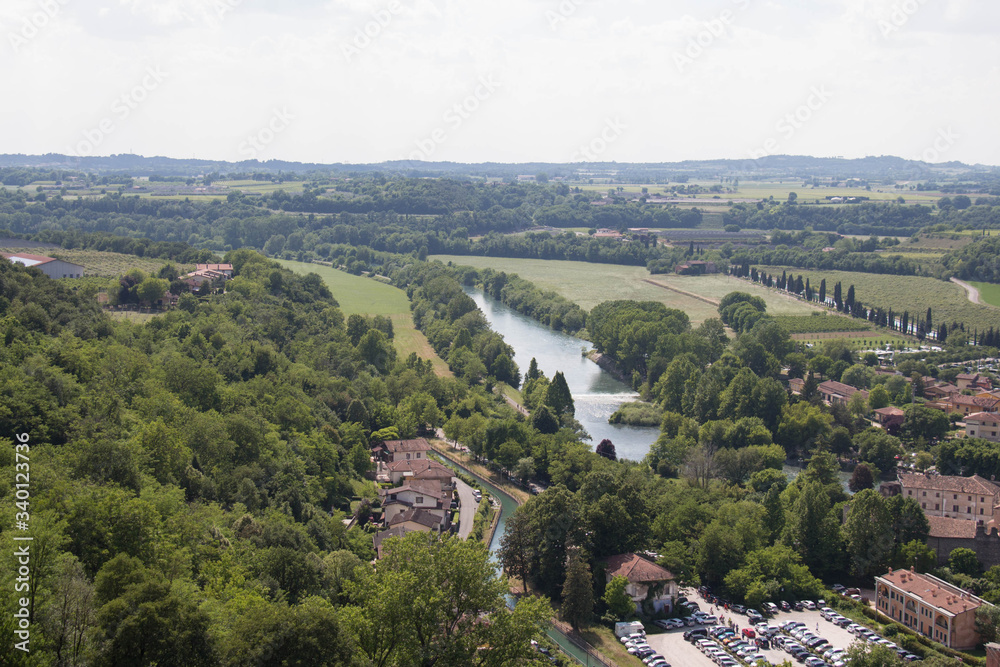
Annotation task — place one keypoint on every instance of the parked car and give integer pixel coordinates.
(754, 616)
(785, 606)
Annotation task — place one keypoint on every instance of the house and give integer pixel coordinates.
(50, 266)
(381, 537)
(940, 391)
(608, 234)
(889, 418)
(420, 520)
(403, 450)
(966, 498)
(224, 269)
(195, 279)
(696, 268)
(415, 494)
(969, 405)
(833, 392)
(648, 583)
(983, 425)
(931, 606)
(973, 381)
(796, 385)
(423, 469)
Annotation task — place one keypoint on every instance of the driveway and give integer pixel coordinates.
(467, 509)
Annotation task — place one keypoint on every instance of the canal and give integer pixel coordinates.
(596, 393)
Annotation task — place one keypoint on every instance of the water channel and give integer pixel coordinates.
(596, 393)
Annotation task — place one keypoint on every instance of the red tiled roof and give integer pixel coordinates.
(983, 417)
(948, 527)
(418, 516)
(933, 591)
(968, 485)
(637, 569)
(891, 412)
(426, 487)
(839, 388)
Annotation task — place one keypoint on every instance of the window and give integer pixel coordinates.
(980, 510)
(909, 493)
(419, 499)
(968, 510)
(937, 495)
(925, 494)
(923, 505)
(954, 508)
(936, 506)
(954, 497)
(970, 499)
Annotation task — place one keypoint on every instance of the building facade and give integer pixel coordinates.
(971, 498)
(930, 606)
(50, 266)
(983, 425)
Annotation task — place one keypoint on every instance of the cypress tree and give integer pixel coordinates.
(558, 396)
(578, 592)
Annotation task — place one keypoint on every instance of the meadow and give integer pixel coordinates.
(988, 293)
(590, 284)
(948, 301)
(365, 296)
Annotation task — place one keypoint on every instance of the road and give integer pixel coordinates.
(467, 509)
(973, 292)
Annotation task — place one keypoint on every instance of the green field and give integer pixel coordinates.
(988, 293)
(820, 323)
(365, 296)
(590, 284)
(948, 301)
(102, 264)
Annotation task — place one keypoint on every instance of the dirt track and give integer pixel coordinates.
(973, 292)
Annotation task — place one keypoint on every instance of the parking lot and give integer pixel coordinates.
(680, 653)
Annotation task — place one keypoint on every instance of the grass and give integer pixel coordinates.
(947, 300)
(988, 293)
(590, 284)
(820, 323)
(364, 296)
(102, 264)
(604, 640)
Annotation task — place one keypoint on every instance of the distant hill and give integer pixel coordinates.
(772, 166)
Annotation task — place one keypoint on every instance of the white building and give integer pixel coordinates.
(50, 266)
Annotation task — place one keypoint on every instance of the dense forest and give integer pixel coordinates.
(189, 478)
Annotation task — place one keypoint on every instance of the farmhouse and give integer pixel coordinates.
(837, 392)
(224, 269)
(647, 582)
(983, 425)
(968, 405)
(930, 606)
(50, 266)
(424, 469)
(415, 494)
(966, 498)
(890, 417)
(391, 451)
(974, 381)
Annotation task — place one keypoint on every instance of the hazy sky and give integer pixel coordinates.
(507, 81)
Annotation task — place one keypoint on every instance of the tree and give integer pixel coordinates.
(515, 546)
(813, 530)
(878, 448)
(988, 623)
(525, 468)
(878, 397)
(921, 422)
(868, 533)
(578, 592)
(803, 427)
(862, 478)
(544, 421)
(558, 396)
(619, 603)
(152, 290)
(861, 654)
(964, 561)
(915, 554)
(606, 449)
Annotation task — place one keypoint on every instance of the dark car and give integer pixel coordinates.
(697, 633)
(785, 606)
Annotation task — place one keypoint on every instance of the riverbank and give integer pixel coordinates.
(608, 365)
(465, 460)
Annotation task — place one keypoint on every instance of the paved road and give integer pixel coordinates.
(467, 509)
(973, 292)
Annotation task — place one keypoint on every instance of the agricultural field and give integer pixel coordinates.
(820, 323)
(858, 340)
(365, 296)
(590, 284)
(988, 293)
(102, 264)
(948, 301)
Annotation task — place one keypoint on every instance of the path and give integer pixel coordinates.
(973, 292)
(467, 509)
(711, 302)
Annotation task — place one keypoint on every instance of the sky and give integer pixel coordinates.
(363, 81)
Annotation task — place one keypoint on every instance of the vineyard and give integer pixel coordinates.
(102, 264)
(820, 323)
(947, 301)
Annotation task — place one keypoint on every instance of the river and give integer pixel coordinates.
(596, 393)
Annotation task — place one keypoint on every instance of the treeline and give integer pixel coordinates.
(175, 251)
(569, 246)
(546, 307)
(979, 261)
(192, 477)
(835, 260)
